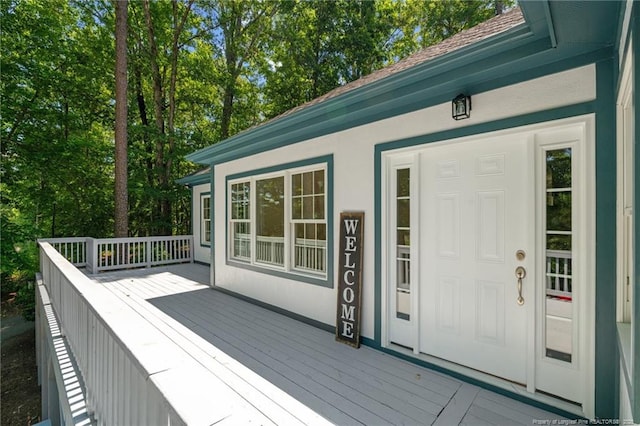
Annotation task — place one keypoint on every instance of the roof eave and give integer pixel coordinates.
(437, 66)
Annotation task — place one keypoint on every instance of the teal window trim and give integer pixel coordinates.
(327, 162)
(203, 241)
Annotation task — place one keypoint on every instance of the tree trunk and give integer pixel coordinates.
(121, 192)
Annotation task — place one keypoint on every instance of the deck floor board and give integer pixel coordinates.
(363, 390)
(292, 372)
(312, 351)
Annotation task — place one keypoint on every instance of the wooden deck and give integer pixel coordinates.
(290, 372)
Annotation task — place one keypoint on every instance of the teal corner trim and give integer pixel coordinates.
(606, 355)
(324, 282)
(204, 195)
(194, 179)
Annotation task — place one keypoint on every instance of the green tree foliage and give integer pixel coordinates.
(199, 71)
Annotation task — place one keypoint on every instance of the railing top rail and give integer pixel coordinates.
(143, 239)
(63, 240)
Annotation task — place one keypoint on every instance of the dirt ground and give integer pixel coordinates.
(19, 390)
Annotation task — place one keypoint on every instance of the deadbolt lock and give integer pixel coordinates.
(520, 255)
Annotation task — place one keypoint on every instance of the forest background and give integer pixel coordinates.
(198, 72)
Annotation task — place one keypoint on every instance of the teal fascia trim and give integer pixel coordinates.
(309, 279)
(606, 355)
(478, 129)
(194, 179)
(203, 243)
(635, 356)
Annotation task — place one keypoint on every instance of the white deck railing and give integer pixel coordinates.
(74, 249)
(123, 253)
(120, 369)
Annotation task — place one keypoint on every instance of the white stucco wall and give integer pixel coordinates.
(353, 152)
(201, 252)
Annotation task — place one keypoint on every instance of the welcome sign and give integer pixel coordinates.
(350, 278)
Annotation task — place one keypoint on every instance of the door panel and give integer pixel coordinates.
(474, 217)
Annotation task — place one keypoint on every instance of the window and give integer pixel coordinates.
(240, 224)
(270, 221)
(286, 227)
(559, 255)
(205, 219)
(403, 257)
(308, 221)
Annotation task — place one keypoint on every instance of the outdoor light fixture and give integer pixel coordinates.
(461, 107)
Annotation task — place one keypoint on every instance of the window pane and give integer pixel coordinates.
(318, 177)
(318, 207)
(241, 240)
(559, 168)
(207, 231)
(307, 207)
(296, 184)
(206, 208)
(403, 213)
(403, 237)
(240, 200)
(270, 221)
(559, 242)
(559, 211)
(403, 182)
(307, 183)
(296, 208)
(309, 251)
(310, 231)
(270, 207)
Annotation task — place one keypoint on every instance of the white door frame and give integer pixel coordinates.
(585, 175)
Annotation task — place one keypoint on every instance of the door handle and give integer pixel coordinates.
(520, 274)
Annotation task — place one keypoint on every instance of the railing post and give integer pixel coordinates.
(191, 255)
(91, 255)
(148, 252)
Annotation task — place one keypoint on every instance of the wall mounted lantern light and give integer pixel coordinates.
(461, 107)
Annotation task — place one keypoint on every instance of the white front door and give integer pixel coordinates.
(476, 210)
(488, 245)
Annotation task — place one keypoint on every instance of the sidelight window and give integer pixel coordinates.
(559, 236)
(403, 243)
